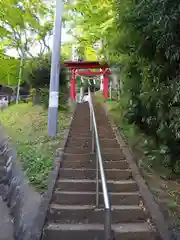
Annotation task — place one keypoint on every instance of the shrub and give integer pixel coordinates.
(149, 49)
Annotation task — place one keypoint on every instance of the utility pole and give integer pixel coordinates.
(55, 70)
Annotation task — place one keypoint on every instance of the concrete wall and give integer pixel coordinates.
(23, 201)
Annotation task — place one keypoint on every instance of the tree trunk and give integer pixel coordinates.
(37, 97)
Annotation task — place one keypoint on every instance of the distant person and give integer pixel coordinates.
(3, 103)
(86, 98)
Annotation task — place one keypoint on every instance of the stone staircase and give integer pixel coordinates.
(72, 213)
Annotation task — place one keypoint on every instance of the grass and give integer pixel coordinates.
(165, 191)
(27, 127)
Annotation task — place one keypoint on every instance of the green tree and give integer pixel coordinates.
(23, 24)
(37, 76)
(92, 21)
(66, 51)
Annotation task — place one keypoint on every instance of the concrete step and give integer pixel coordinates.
(82, 132)
(79, 121)
(109, 143)
(89, 214)
(109, 156)
(78, 157)
(88, 164)
(103, 135)
(78, 134)
(131, 231)
(85, 121)
(86, 115)
(78, 142)
(91, 164)
(85, 127)
(81, 127)
(74, 149)
(89, 198)
(82, 138)
(107, 133)
(112, 151)
(90, 185)
(106, 121)
(90, 137)
(111, 174)
(88, 156)
(104, 129)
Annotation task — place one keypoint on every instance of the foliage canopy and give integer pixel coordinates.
(23, 25)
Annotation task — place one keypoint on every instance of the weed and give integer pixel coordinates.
(27, 128)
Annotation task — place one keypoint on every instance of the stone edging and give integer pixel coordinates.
(39, 222)
(150, 204)
(5, 165)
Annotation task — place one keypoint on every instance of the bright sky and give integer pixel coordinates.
(65, 37)
(35, 49)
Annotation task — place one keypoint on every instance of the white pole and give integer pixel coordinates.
(110, 89)
(20, 76)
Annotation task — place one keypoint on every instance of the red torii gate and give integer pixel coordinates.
(75, 66)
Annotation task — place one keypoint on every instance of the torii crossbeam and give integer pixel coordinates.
(75, 68)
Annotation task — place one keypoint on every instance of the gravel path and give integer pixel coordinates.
(6, 225)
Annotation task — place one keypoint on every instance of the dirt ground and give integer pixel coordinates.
(167, 194)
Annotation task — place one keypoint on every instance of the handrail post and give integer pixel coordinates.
(90, 111)
(93, 142)
(107, 224)
(91, 124)
(97, 181)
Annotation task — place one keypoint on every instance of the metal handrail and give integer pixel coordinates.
(99, 166)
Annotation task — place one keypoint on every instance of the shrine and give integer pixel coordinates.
(86, 68)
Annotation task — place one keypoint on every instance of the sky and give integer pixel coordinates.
(65, 37)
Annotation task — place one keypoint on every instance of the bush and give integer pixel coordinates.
(149, 49)
(44, 98)
(38, 78)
